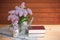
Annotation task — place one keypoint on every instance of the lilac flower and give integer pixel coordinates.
(13, 18)
(20, 12)
(16, 22)
(9, 17)
(12, 12)
(22, 5)
(29, 11)
(25, 13)
(15, 26)
(17, 10)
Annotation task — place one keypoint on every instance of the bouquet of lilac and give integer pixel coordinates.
(19, 17)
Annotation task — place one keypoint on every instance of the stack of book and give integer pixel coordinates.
(36, 31)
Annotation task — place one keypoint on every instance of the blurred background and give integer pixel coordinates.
(44, 11)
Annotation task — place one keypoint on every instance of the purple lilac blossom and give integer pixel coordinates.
(17, 10)
(29, 11)
(15, 26)
(20, 12)
(25, 13)
(22, 5)
(12, 12)
(13, 18)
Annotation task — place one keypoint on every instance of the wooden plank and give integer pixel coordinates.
(31, 4)
(46, 15)
(33, 9)
(32, 1)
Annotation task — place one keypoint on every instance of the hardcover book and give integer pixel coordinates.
(37, 31)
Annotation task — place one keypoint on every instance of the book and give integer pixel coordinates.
(36, 31)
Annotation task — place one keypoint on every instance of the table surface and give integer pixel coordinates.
(52, 33)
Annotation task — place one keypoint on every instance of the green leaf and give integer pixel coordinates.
(22, 19)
